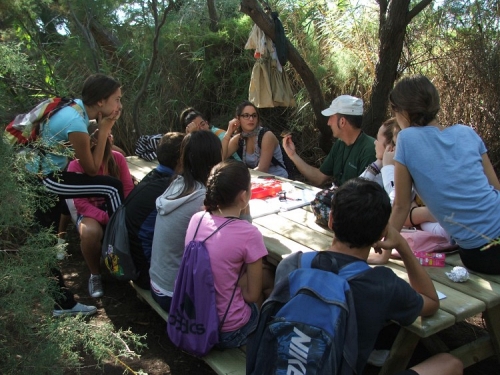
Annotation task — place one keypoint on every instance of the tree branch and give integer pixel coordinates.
(417, 9)
(262, 20)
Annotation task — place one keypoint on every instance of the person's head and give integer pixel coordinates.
(248, 116)
(200, 151)
(344, 109)
(191, 115)
(359, 213)
(110, 166)
(103, 92)
(385, 137)
(228, 185)
(169, 149)
(415, 101)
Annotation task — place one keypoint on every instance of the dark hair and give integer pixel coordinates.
(200, 151)
(361, 210)
(108, 160)
(246, 103)
(169, 149)
(188, 115)
(418, 97)
(355, 121)
(98, 87)
(389, 130)
(225, 182)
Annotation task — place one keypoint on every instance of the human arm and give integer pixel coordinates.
(489, 171)
(269, 144)
(125, 177)
(314, 175)
(251, 282)
(230, 143)
(91, 160)
(402, 200)
(418, 277)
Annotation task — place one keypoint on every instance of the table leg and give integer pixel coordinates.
(492, 319)
(401, 352)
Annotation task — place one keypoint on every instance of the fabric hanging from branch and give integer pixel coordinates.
(269, 84)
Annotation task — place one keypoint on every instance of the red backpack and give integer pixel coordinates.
(25, 127)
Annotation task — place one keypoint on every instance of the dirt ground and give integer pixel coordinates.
(123, 309)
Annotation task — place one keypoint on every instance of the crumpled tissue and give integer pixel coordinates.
(458, 274)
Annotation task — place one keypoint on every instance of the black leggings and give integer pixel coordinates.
(80, 185)
(486, 261)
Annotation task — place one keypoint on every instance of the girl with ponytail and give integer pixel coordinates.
(236, 252)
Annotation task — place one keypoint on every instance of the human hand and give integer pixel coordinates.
(191, 127)
(388, 158)
(288, 145)
(391, 239)
(105, 123)
(232, 126)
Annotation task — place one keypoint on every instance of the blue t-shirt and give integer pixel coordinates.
(448, 174)
(55, 134)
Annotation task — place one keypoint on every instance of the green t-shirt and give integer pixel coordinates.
(346, 162)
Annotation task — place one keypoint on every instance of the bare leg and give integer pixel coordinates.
(440, 364)
(90, 242)
(63, 225)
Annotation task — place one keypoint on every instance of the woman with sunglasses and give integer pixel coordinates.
(262, 155)
(451, 172)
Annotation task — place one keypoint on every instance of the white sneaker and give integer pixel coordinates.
(61, 249)
(77, 309)
(378, 357)
(95, 286)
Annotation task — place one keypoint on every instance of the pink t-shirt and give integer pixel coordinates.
(238, 243)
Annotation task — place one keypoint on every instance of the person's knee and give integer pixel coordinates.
(90, 231)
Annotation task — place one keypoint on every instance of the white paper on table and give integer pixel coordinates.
(296, 197)
(441, 295)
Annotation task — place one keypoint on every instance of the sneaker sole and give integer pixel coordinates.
(58, 314)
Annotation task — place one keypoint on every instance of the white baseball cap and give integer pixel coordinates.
(345, 105)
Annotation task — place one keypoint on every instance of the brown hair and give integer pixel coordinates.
(227, 179)
(418, 97)
(389, 130)
(169, 149)
(98, 87)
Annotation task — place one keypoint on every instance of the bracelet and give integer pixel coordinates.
(411, 211)
(373, 169)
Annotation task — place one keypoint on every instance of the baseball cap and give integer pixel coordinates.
(345, 105)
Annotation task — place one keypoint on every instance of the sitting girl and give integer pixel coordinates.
(236, 252)
(200, 151)
(264, 155)
(382, 172)
(92, 213)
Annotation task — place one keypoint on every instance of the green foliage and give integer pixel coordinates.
(31, 341)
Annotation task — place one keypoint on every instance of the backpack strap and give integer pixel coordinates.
(347, 272)
(231, 300)
(263, 131)
(215, 231)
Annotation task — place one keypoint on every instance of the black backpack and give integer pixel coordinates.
(289, 166)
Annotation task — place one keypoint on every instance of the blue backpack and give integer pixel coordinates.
(308, 324)
(193, 323)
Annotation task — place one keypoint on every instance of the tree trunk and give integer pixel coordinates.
(212, 13)
(393, 20)
(265, 23)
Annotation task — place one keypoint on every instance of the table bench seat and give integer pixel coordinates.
(223, 362)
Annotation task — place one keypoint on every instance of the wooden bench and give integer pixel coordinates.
(223, 362)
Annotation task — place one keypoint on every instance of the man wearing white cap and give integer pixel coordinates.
(351, 153)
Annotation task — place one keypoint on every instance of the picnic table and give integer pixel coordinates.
(289, 231)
